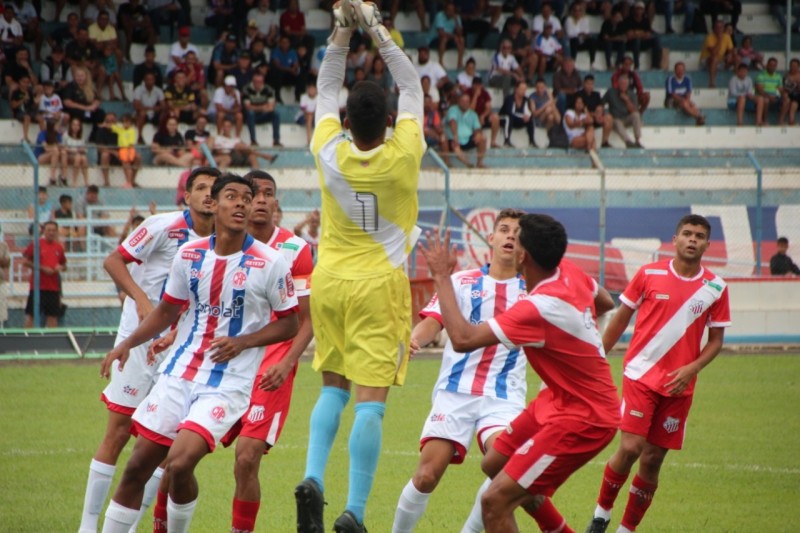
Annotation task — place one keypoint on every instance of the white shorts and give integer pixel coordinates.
(457, 417)
(128, 387)
(175, 404)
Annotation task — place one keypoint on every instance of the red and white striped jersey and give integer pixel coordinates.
(672, 313)
(556, 326)
(227, 296)
(494, 371)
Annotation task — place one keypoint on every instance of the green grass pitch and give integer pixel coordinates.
(738, 472)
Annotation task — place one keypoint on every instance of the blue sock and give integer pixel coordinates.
(365, 448)
(322, 431)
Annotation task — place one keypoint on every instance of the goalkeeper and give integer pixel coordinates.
(361, 308)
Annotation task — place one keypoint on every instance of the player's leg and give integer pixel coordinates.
(247, 496)
(436, 454)
(184, 455)
(503, 496)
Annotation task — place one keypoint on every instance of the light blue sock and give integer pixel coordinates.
(323, 427)
(365, 448)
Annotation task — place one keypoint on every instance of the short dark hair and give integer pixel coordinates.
(227, 179)
(261, 175)
(508, 212)
(137, 219)
(783, 240)
(63, 198)
(694, 220)
(588, 77)
(42, 188)
(544, 238)
(49, 222)
(367, 111)
(93, 188)
(201, 171)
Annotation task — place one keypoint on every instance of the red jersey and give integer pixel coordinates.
(672, 314)
(293, 22)
(556, 326)
(51, 254)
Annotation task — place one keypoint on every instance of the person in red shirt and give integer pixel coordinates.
(481, 103)
(626, 69)
(555, 325)
(52, 262)
(293, 25)
(676, 300)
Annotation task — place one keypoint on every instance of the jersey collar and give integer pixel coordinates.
(187, 216)
(248, 242)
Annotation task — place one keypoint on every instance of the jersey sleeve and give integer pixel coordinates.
(176, 291)
(302, 266)
(719, 315)
(432, 310)
(280, 289)
(633, 295)
(138, 245)
(522, 325)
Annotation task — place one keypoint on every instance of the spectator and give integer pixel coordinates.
(467, 76)
(543, 19)
(266, 22)
(43, 205)
(103, 35)
(67, 233)
(641, 36)
(82, 53)
(91, 200)
(308, 230)
(258, 59)
(768, 86)
(293, 25)
(168, 13)
(285, 69)
(447, 32)
(621, 102)
(107, 151)
(505, 73)
(243, 71)
(223, 59)
(679, 94)
(127, 134)
(791, 93)
(626, 70)
(463, 131)
(95, 7)
(516, 114)
(472, 20)
(718, 51)
(579, 126)
(31, 29)
(113, 74)
(576, 29)
(778, 10)
(65, 34)
(749, 56)
(169, 147)
(741, 95)
(134, 22)
(48, 152)
(518, 16)
(219, 15)
(481, 103)
(434, 71)
(670, 7)
(181, 100)
(417, 5)
(55, 69)
(359, 55)
(52, 261)
(543, 107)
(432, 125)
(195, 77)
(148, 102)
(566, 82)
(520, 44)
(18, 68)
(380, 76)
(179, 49)
(715, 8)
(251, 34)
(24, 105)
(781, 264)
(308, 106)
(148, 66)
(394, 33)
(80, 98)
(613, 38)
(594, 106)
(11, 33)
(230, 150)
(259, 108)
(548, 52)
(51, 108)
(75, 147)
(227, 104)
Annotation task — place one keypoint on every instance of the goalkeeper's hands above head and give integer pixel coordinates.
(344, 21)
(368, 17)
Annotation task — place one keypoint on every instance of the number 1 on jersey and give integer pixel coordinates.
(366, 211)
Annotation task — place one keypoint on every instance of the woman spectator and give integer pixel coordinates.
(466, 76)
(749, 55)
(80, 98)
(76, 152)
(791, 93)
(169, 147)
(576, 27)
(579, 126)
(48, 152)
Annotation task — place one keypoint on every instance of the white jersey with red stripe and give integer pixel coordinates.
(556, 324)
(494, 371)
(673, 313)
(151, 248)
(228, 296)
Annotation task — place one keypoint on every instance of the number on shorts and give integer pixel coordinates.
(367, 203)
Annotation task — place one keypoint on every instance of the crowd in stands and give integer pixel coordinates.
(262, 49)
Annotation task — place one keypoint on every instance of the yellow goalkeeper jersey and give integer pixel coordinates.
(369, 199)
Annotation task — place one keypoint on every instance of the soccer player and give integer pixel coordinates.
(151, 248)
(478, 392)
(674, 300)
(361, 309)
(231, 284)
(555, 325)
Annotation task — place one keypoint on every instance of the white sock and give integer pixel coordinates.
(119, 518)
(599, 512)
(179, 516)
(623, 529)
(97, 487)
(150, 490)
(410, 509)
(474, 523)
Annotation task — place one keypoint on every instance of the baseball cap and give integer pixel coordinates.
(639, 4)
(231, 38)
(252, 23)
(230, 81)
(185, 31)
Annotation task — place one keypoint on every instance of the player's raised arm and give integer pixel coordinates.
(332, 70)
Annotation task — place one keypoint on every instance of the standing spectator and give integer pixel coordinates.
(10, 31)
(768, 86)
(51, 108)
(181, 100)
(308, 230)
(505, 73)
(227, 104)
(642, 97)
(48, 152)
(259, 103)
(595, 108)
(781, 264)
(742, 96)
(180, 48)
(642, 37)
(169, 147)
(679, 94)
(223, 59)
(715, 8)
(579, 126)
(44, 206)
(148, 66)
(463, 131)
(266, 22)
(750, 56)
(81, 101)
(543, 107)
(434, 71)
(31, 28)
(293, 25)
(134, 22)
(66, 232)
(219, 15)
(622, 107)
(52, 262)
(613, 38)
(516, 113)
(447, 32)
(243, 71)
(148, 102)
(127, 134)
(75, 148)
(576, 29)
(107, 152)
(55, 69)
(791, 93)
(549, 51)
(481, 103)
(285, 69)
(718, 51)
(566, 82)
(432, 125)
(308, 106)
(778, 10)
(24, 105)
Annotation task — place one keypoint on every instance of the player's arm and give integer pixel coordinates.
(285, 327)
(603, 302)
(616, 326)
(117, 267)
(275, 375)
(424, 333)
(683, 376)
(332, 70)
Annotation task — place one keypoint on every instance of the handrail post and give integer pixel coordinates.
(207, 152)
(446, 170)
(601, 223)
(759, 209)
(37, 319)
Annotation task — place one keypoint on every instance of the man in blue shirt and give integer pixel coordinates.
(679, 94)
(285, 69)
(463, 130)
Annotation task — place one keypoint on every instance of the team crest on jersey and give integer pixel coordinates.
(152, 407)
(256, 414)
(696, 306)
(177, 234)
(138, 237)
(255, 263)
(671, 424)
(196, 274)
(191, 255)
(239, 279)
(218, 413)
(478, 294)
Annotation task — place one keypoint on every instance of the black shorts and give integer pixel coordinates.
(468, 146)
(49, 302)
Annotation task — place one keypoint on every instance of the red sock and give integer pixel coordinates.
(549, 519)
(639, 499)
(244, 515)
(609, 488)
(160, 513)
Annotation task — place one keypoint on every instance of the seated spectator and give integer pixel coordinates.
(91, 199)
(576, 29)
(67, 233)
(258, 100)
(543, 107)
(613, 37)
(718, 51)
(520, 44)
(481, 103)
(43, 205)
(593, 102)
(113, 74)
(715, 8)
(518, 16)
(195, 77)
(24, 105)
(223, 59)
(258, 59)
(781, 264)
(107, 150)
(791, 93)
(266, 22)
(394, 33)
(467, 76)
(183, 101)
(505, 73)
(75, 147)
(48, 152)
(769, 84)
(566, 82)
(179, 49)
(549, 52)
(447, 32)
(473, 21)
(82, 53)
(417, 5)
(148, 102)
(379, 75)
(308, 106)
(63, 35)
(671, 7)
(251, 34)
(197, 136)
(679, 94)
(434, 71)
(516, 114)
(635, 82)
(543, 19)
(579, 126)
(227, 104)
(17, 68)
(127, 134)
(135, 24)
(432, 125)
(55, 69)
(170, 13)
(169, 147)
(292, 24)
(641, 36)
(243, 71)
(359, 56)
(148, 66)
(31, 28)
(219, 15)
(229, 150)
(81, 101)
(95, 7)
(463, 131)
(285, 69)
(621, 102)
(749, 56)
(103, 35)
(11, 33)
(741, 95)
(51, 108)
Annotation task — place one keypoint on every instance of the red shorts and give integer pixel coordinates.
(661, 419)
(543, 456)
